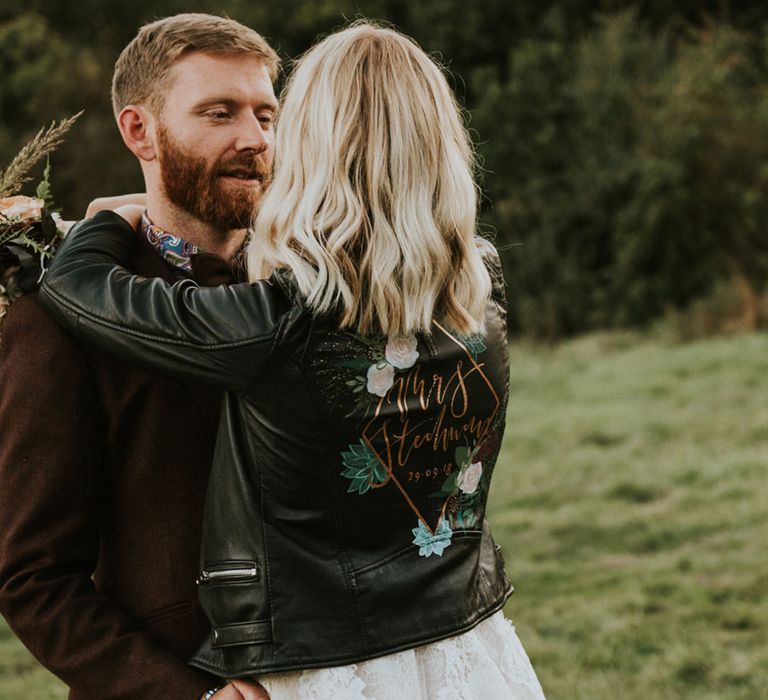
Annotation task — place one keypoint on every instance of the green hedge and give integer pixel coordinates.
(624, 155)
(627, 172)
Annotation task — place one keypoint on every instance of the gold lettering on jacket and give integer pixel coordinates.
(451, 422)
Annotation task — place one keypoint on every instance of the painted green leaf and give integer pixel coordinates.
(362, 467)
(357, 363)
(466, 519)
(463, 456)
(449, 485)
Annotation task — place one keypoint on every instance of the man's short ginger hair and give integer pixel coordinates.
(143, 68)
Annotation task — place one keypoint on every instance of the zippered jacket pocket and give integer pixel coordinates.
(234, 598)
(229, 572)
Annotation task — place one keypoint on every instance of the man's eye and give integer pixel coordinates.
(265, 119)
(219, 114)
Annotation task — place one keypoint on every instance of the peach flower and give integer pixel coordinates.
(22, 208)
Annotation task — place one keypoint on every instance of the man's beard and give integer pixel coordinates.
(198, 189)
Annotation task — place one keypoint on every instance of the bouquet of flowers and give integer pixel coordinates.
(30, 228)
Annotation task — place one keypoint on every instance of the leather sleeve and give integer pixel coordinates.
(493, 264)
(51, 492)
(219, 335)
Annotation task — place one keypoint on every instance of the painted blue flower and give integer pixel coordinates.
(429, 543)
(474, 345)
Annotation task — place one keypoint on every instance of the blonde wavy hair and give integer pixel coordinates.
(373, 202)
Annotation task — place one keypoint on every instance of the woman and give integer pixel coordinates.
(345, 550)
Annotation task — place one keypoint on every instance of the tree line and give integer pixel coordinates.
(623, 146)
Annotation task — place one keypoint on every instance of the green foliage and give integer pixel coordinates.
(47, 75)
(625, 152)
(363, 468)
(43, 190)
(633, 172)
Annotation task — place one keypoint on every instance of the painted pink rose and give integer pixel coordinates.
(469, 477)
(380, 379)
(402, 352)
(22, 208)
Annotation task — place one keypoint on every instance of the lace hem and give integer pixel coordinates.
(486, 663)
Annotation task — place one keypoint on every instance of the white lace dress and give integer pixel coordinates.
(486, 663)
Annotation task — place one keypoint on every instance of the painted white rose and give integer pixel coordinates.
(402, 352)
(380, 379)
(469, 477)
(22, 208)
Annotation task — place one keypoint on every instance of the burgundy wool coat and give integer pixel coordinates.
(103, 472)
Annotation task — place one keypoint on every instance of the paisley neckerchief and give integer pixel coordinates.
(173, 249)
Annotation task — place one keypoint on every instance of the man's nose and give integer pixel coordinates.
(251, 136)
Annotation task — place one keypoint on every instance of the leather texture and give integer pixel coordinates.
(345, 515)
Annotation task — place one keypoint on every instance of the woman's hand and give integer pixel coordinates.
(113, 203)
(241, 690)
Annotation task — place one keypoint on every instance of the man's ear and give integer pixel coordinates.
(136, 126)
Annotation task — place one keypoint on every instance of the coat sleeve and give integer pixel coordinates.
(51, 491)
(220, 335)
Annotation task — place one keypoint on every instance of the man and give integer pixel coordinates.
(103, 467)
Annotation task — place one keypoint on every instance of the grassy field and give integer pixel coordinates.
(633, 506)
(632, 503)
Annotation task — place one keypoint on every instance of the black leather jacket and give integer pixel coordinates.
(345, 512)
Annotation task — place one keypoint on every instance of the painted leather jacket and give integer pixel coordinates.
(345, 515)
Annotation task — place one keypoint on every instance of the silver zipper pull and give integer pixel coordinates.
(233, 574)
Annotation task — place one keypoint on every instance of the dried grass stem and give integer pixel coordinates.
(44, 143)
